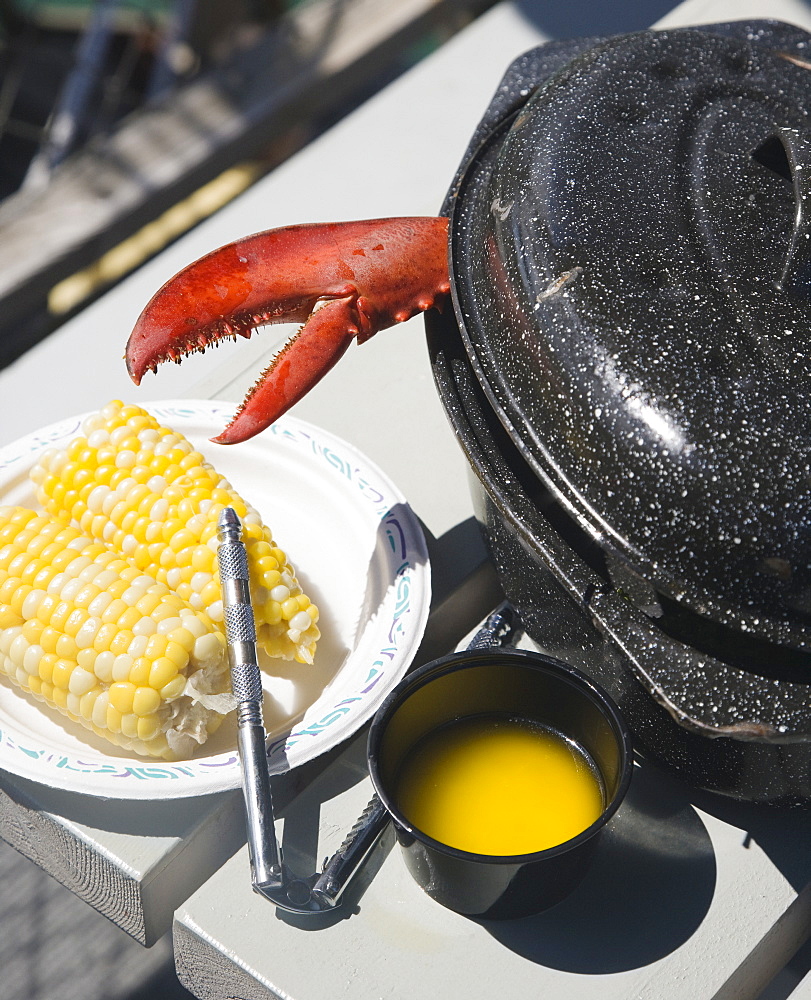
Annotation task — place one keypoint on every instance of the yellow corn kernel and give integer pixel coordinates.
(147, 604)
(87, 703)
(66, 647)
(176, 653)
(113, 721)
(114, 610)
(121, 641)
(174, 689)
(129, 618)
(74, 621)
(146, 701)
(140, 670)
(148, 727)
(86, 658)
(161, 672)
(60, 615)
(61, 673)
(155, 646)
(289, 608)
(121, 695)
(8, 618)
(49, 638)
(129, 725)
(182, 636)
(46, 667)
(104, 637)
(7, 593)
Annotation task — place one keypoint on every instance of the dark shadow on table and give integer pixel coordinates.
(649, 887)
(300, 838)
(778, 831)
(783, 835)
(164, 985)
(584, 17)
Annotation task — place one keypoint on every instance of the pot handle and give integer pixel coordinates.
(502, 628)
(796, 274)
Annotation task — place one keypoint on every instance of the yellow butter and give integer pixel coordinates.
(498, 785)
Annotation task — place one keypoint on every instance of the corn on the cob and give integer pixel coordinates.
(110, 647)
(143, 490)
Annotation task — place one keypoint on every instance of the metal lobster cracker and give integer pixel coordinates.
(322, 891)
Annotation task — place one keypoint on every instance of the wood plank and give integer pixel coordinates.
(154, 855)
(320, 58)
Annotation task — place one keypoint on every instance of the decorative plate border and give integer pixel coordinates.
(345, 704)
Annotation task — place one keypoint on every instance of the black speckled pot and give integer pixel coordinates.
(627, 370)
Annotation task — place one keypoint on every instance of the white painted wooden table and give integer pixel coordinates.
(689, 897)
(683, 900)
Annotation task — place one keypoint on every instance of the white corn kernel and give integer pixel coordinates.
(168, 625)
(207, 648)
(87, 633)
(99, 603)
(138, 646)
(18, 648)
(103, 666)
(31, 604)
(31, 659)
(96, 498)
(81, 681)
(300, 621)
(122, 667)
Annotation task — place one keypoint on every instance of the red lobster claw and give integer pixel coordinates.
(341, 280)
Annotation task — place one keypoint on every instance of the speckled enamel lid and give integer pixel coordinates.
(632, 261)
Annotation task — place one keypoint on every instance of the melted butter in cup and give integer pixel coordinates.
(498, 784)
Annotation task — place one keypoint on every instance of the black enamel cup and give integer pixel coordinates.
(519, 684)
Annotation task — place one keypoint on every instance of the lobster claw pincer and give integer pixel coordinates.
(341, 280)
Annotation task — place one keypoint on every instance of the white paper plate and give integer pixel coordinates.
(359, 554)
